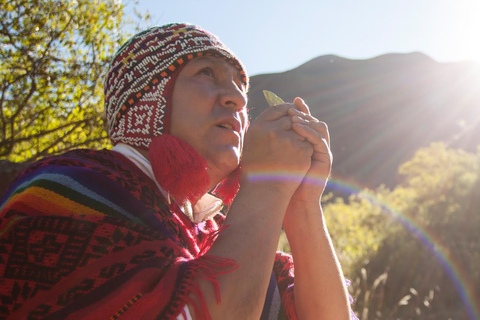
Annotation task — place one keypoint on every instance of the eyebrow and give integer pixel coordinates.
(224, 64)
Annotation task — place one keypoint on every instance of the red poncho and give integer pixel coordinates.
(88, 235)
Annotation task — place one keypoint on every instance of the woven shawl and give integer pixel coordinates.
(88, 235)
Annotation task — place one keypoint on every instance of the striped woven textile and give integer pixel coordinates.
(87, 235)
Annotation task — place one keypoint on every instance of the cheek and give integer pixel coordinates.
(185, 118)
(186, 129)
(175, 123)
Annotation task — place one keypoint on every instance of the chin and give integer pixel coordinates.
(228, 165)
(225, 162)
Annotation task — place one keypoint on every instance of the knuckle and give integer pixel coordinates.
(286, 123)
(306, 147)
(280, 108)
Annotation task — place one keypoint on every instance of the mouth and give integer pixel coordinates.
(226, 126)
(230, 124)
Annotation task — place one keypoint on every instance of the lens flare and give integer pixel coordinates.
(433, 242)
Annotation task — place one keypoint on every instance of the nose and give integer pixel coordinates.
(233, 96)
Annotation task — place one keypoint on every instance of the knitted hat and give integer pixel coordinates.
(139, 83)
(138, 89)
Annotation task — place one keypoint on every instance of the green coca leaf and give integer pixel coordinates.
(272, 98)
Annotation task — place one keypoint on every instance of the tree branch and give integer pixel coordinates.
(23, 104)
(45, 150)
(43, 133)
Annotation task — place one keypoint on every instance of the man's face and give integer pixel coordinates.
(209, 112)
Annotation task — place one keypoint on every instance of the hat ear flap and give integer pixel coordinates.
(178, 168)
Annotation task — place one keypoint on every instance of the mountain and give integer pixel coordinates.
(381, 110)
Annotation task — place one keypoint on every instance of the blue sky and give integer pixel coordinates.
(275, 36)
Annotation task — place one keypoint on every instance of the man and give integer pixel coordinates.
(134, 233)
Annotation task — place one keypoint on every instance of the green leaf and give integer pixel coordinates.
(272, 98)
(53, 57)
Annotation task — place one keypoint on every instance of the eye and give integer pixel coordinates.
(241, 86)
(206, 71)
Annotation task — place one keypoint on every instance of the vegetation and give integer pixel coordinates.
(52, 58)
(412, 250)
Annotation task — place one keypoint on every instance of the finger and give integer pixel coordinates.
(318, 126)
(319, 143)
(312, 136)
(325, 155)
(291, 134)
(275, 112)
(321, 149)
(284, 123)
(295, 112)
(301, 105)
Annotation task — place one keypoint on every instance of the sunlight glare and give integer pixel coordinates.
(466, 31)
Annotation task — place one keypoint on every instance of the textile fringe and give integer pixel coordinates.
(288, 302)
(210, 239)
(207, 267)
(179, 168)
(227, 189)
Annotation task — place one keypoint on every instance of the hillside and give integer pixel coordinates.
(381, 110)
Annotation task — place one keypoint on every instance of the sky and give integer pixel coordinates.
(275, 36)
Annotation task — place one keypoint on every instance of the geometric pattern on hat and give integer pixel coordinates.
(139, 82)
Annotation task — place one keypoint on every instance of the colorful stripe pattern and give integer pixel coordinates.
(87, 235)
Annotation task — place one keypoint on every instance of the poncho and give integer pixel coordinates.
(87, 235)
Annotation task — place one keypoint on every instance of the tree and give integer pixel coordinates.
(53, 55)
(408, 276)
(358, 226)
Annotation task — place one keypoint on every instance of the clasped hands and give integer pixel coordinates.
(289, 146)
